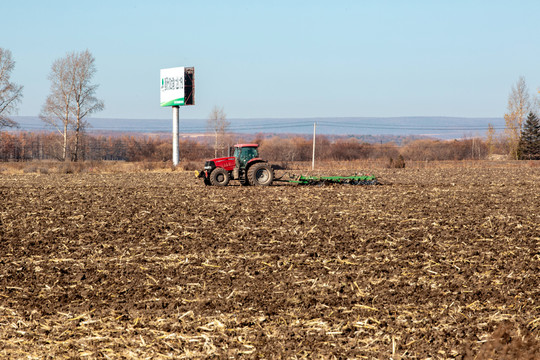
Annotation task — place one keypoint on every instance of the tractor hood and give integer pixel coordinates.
(218, 161)
(221, 159)
(227, 163)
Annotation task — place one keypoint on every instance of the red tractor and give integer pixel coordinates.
(245, 165)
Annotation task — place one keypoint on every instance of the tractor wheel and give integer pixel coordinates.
(260, 174)
(219, 177)
(207, 182)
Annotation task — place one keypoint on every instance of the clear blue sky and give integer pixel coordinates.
(284, 58)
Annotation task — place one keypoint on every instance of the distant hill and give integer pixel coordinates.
(361, 127)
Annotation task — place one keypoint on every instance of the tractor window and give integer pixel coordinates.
(250, 153)
(245, 154)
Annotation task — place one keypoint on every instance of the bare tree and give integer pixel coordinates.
(72, 98)
(490, 139)
(10, 93)
(217, 124)
(57, 108)
(84, 97)
(519, 105)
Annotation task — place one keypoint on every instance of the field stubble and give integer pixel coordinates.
(435, 263)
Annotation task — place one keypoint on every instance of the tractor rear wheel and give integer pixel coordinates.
(260, 174)
(219, 177)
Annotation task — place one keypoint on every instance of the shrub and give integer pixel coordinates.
(30, 169)
(396, 164)
(190, 166)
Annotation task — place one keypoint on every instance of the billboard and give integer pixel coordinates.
(177, 86)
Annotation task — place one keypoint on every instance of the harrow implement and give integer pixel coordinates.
(328, 180)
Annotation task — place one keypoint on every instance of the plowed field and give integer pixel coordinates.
(437, 264)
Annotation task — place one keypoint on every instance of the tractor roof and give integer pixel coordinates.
(246, 145)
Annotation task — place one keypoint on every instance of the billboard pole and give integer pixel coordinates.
(177, 89)
(175, 122)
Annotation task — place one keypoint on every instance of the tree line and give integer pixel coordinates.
(27, 146)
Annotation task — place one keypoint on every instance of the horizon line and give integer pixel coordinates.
(304, 118)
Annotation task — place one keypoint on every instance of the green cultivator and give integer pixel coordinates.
(329, 180)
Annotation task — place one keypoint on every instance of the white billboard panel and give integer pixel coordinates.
(172, 87)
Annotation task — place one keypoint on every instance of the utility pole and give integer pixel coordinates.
(313, 155)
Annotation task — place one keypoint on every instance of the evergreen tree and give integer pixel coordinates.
(529, 142)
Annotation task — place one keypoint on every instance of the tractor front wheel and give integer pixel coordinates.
(261, 174)
(219, 177)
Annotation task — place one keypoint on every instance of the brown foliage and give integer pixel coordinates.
(290, 149)
(24, 146)
(430, 150)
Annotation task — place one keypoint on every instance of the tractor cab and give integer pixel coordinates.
(244, 153)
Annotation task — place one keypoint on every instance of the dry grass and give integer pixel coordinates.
(383, 164)
(85, 167)
(114, 167)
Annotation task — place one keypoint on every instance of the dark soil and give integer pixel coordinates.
(440, 264)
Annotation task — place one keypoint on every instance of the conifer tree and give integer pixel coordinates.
(529, 143)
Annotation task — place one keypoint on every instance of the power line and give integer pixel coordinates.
(403, 127)
(274, 126)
